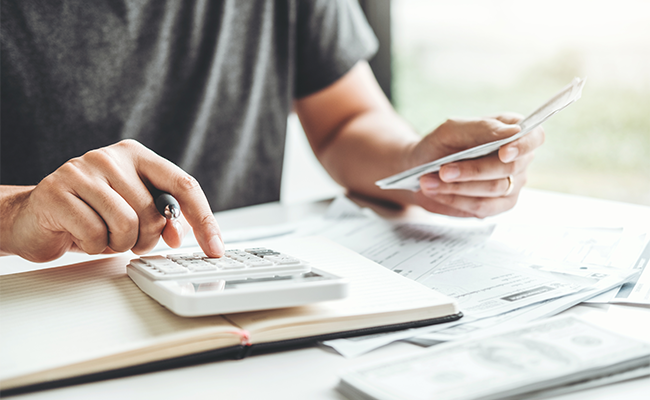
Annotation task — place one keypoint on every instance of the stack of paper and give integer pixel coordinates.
(501, 275)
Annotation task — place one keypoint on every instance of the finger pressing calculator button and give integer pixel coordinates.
(239, 263)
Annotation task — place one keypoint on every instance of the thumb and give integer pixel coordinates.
(175, 231)
(508, 117)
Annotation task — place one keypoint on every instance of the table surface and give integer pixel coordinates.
(312, 373)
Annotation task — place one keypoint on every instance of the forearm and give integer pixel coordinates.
(373, 145)
(357, 135)
(11, 198)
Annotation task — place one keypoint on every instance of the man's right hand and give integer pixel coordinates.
(101, 203)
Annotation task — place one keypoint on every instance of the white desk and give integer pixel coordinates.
(312, 373)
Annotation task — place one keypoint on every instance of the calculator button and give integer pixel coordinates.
(225, 263)
(234, 266)
(171, 269)
(202, 266)
(160, 263)
(180, 257)
(282, 260)
(168, 267)
(187, 263)
(256, 249)
(262, 253)
(258, 263)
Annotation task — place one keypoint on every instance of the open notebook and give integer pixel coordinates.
(89, 321)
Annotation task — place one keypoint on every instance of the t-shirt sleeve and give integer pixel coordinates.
(332, 36)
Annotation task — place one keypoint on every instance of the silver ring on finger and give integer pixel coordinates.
(511, 185)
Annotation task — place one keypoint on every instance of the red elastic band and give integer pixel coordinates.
(245, 337)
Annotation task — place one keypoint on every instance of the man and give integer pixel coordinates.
(207, 85)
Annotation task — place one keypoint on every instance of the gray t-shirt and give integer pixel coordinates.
(205, 84)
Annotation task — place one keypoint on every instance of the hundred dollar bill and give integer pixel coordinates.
(553, 356)
(410, 179)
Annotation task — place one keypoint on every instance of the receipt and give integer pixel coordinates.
(410, 179)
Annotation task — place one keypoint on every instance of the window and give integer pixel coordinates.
(474, 57)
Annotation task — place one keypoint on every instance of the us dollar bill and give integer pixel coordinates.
(548, 357)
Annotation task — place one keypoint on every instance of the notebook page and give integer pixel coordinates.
(376, 294)
(72, 314)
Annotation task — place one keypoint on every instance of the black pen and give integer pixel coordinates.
(167, 206)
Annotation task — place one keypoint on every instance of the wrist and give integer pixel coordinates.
(12, 199)
(409, 157)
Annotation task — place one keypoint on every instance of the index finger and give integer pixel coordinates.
(467, 133)
(168, 177)
(522, 146)
(509, 117)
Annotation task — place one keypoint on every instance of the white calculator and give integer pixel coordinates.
(193, 284)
